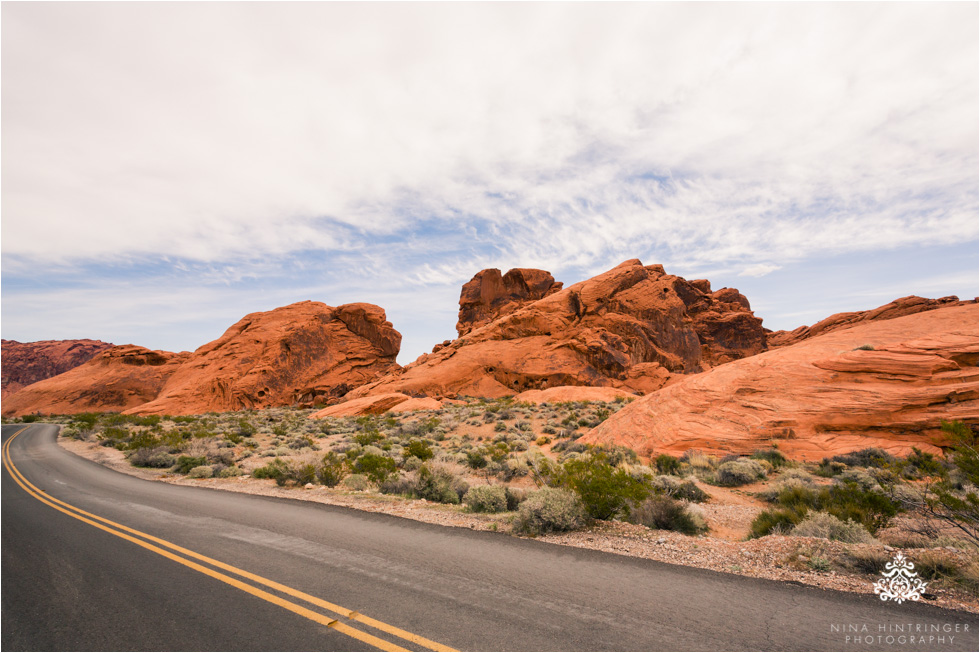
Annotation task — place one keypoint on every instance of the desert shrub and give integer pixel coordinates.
(605, 490)
(776, 521)
(356, 482)
(872, 457)
(300, 442)
(476, 460)
(230, 472)
(829, 468)
(849, 501)
(402, 484)
(301, 472)
(157, 457)
(824, 525)
(667, 464)
(515, 496)
(332, 469)
(697, 459)
(202, 471)
(420, 449)
(665, 513)
(739, 472)
(937, 565)
(868, 561)
(486, 498)
(549, 510)
(773, 456)
(689, 491)
(186, 463)
(276, 469)
(438, 483)
(411, 463)
(859, 476)
(376, 467)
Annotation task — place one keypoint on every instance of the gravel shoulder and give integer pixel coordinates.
(729, 512)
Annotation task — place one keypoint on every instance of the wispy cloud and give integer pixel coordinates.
(409, 145)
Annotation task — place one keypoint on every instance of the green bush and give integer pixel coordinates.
(439, 484)
(276, 469)
(420, 449)
(376, 467)
(773, 456)
(665, 513)
(778, 521)
(332, 469)
(739, 472)
(606, 491)
(549, 510)
(667, 464)
(845, 501)
(824, 525)
(872, 457)
(186, 463)
(486, 498)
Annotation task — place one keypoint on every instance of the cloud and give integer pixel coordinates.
(409, 145)
(759, 270)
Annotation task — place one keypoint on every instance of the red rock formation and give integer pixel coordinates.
(25, 363)
(825, 395)
(630, 328)
(488, 296)
(115, 380)
(903, 306)
(572, 393)
(297, 354)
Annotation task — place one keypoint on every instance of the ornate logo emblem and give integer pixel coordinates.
(900, 581)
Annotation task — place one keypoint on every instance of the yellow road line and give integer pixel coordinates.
(70, 510)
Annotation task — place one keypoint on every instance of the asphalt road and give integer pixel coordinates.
(208, 570)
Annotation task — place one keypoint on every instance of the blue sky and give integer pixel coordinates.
(167, 169)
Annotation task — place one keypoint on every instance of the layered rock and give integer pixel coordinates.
(115, 380)
(903, 306)
(488, 295)
(298, 354)
(564, 393)
(631, 328)
(25, 363)
(880, 383)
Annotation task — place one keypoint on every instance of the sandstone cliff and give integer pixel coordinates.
(24, 363)
(115, 380)
(885, 383)
(903, 306)
(297, 354)
(631, 328)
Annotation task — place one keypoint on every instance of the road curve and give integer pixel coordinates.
(96, 560)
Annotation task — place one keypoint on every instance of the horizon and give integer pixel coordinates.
(820, 158)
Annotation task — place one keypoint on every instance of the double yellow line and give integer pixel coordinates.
(187, 556)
